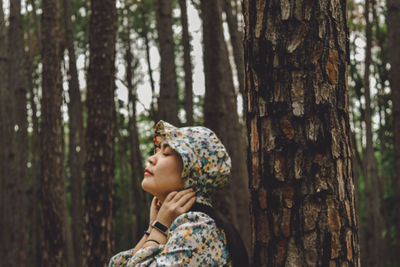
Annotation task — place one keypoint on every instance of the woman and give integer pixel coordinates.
(189, 163)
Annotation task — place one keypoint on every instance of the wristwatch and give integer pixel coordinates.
(160, 227)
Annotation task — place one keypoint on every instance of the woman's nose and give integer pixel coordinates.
(151, 160)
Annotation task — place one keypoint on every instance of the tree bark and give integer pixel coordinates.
(220, 115)
(237, 43)
(15, 197)
(168, 100)
(100, 132)
(76, 149)
(52, 183)
(187, 64)
(393, 22)
(300, 166)
(5, 127)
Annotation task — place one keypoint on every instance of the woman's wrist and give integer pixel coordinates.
(157, 236)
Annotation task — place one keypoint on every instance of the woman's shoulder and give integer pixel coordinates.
(195, 236)
(195, 218)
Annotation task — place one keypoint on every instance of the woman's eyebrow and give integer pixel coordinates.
(165, 146)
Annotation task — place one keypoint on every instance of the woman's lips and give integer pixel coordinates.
(147, 173)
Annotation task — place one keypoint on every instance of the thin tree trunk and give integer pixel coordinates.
(5, 133)
(35, 252)
(220, 115)
(393, 22)
(383, 73)
(100, 132)
(35, 174)
(375, 221)
(300, 165)
(15, 227)
(135, 157)
(237, 43)
(52, 183)
(168, 100)
(76, 149)
(145, 34)
(126, 227)
(187, 64)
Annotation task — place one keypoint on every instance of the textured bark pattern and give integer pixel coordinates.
(76, 150)
(187, 64)
(220, 115)
(100, 132)
(393, 8)
(52, 183)
(302, 191)
(168, 100)
(15, 228)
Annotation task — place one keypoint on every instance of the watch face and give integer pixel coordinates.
(160, 226)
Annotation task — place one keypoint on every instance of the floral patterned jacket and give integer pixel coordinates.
(193, 240)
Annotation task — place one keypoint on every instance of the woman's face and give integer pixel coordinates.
(163, 174)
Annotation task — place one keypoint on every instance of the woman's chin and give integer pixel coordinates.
(147, 187)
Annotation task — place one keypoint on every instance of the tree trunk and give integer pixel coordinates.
(5, 127)
(145, 34)
(393, 9)
(52, 183)
(168, 100)
(15, 197)
(76, 149)
(187, 64)
(34, 207)
(374, 193)
(237, 43)
(220, 115)
(100, 132)
(35, 174)
(136, 162)
(301, 177)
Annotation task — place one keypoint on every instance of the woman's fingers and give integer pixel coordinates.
(182, 193)
(185, 198)
(188, 204)
(171, 195)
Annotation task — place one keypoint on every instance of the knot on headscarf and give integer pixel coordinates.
(206, 163)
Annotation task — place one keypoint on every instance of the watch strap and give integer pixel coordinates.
(160, 227)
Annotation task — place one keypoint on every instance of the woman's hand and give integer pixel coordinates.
(175, 204)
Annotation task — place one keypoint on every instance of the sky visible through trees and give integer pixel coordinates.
(144, 86)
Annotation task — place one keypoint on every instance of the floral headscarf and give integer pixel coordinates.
(206, 163)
